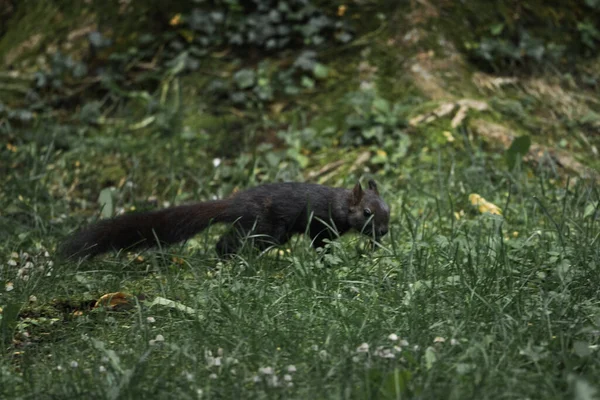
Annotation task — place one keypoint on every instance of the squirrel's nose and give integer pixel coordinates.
(383, 231)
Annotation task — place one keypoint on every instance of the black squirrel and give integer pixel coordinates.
(272, 213)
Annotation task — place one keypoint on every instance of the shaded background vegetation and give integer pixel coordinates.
(112, 106)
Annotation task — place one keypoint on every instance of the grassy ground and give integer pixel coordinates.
(457, 303)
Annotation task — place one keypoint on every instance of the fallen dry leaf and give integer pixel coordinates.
(483, 205)
(113, 300)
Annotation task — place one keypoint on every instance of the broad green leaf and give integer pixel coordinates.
(430, 357)
(106, 199)
(590, 209)
(518, 149)
(582, 349)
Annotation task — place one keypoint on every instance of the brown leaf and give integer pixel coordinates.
(114, 300)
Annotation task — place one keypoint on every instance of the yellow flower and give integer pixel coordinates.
(342, 10)
(448, 136)
(176, 20)
(483, 205)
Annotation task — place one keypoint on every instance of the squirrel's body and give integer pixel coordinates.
(272, 213)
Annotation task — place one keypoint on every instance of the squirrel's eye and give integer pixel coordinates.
(367, 212)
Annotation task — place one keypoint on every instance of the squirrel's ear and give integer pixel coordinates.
(357, 194)
(373, 186)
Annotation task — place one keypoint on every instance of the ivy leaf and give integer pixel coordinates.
(320, 71)
(381, 105)
(244, 78)
(308, 82)
(497, 29)
(97, 40)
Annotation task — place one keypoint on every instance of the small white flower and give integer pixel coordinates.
(213, 376)
(46, 254)
(74, 364)
(217, 362)
(291, 369)
(159, 338)
(32, 299)
(216, 162)
(314, 347)
(453, 342)
(393, 337)
(231, 360)
(199, 392)
(189, 376)
(287, 378)
(151, 320)
(104, 359)
(220, 352)
(266, 370)
(256, 379)
(273, 381)
(9, 287)
(403, 343)
(28, 265)
(101, 369)
(363, 348)
(59, 368)
(14, 254)
(387, 353)
(439, 339)
(398, 349)
(12, 262)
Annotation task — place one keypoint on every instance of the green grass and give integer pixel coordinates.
(483, 306)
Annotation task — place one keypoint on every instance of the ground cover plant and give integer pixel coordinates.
(485, 287)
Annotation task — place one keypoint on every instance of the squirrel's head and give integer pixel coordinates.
(368, 213)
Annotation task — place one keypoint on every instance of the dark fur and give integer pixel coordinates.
(272, 213)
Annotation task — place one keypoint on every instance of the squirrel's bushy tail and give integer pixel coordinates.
(145, 229)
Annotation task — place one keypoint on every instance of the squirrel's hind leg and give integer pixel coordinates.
(260, 236)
